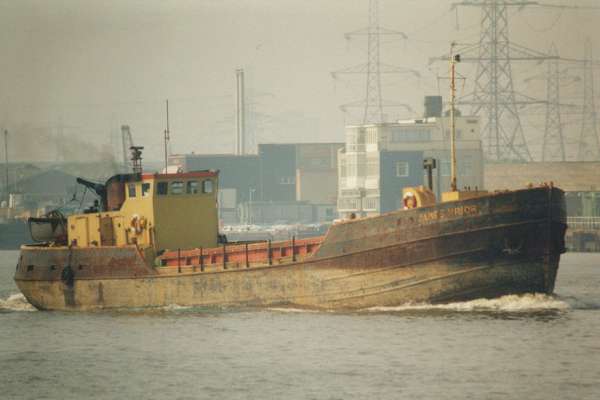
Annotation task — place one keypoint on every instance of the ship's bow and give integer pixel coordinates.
(555, 243)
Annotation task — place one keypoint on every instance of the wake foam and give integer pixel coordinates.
(15, 302)
(509, 303)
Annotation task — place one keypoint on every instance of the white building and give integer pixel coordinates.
(378, 160)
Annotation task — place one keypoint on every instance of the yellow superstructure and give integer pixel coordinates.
(157, 211)
(462, 195)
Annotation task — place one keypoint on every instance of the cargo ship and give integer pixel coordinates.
(153, 241)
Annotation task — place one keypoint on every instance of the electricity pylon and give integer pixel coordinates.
(494, 97)
(554, 144)
(373, 103)
(589, 147)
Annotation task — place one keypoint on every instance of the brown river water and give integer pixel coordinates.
(515, 347)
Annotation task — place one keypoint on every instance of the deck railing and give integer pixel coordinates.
(239, 255)
(584, 223)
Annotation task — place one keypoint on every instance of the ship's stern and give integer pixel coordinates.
(64, 278)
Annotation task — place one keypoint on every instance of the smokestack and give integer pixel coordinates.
(241, 118)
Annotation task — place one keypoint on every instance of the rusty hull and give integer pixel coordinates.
(499, 244)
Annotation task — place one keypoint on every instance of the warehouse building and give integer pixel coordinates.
(288, 182)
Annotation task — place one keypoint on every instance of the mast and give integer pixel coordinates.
(167, 138)
(453, 60)
(6, 165)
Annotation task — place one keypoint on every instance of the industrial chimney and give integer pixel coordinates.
(241, 118)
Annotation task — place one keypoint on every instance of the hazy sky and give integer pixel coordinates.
(92, 66)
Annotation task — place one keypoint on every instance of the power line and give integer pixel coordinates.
(373, 103)
(554, 145)
(494, 97)
(589, 148)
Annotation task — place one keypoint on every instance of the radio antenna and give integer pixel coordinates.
(454, 58)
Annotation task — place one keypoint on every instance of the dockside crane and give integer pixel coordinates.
(127, 142)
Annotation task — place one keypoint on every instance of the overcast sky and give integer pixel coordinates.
(92, 66)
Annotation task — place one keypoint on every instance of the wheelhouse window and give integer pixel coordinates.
(193, 187)
(207, 186)
(145, 189)
(176, 187)
(131, 190)
(162, 188)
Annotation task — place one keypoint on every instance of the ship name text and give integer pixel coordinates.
(448, 213)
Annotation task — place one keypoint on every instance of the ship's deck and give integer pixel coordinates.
(239, 254)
